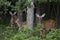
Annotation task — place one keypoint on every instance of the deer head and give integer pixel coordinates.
(40, 17)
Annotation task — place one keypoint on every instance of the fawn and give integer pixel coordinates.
(15, 20)
(46, 24)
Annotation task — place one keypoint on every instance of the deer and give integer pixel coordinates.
(46, 25)
(15, 21)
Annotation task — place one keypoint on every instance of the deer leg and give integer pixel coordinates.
(19, 25)
(12, 24)
(43, 31)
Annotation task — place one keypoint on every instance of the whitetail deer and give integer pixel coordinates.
(15, 21)
(46, 24)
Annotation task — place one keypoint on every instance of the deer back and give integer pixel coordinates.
(20, 24)
(48, 24)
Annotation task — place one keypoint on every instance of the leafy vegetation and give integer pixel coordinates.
(12, 33)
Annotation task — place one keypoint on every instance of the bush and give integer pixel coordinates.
(10, 33)
(53, 35)
(7, 32)
(23, 34)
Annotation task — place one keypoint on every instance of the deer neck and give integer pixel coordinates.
(40, 20)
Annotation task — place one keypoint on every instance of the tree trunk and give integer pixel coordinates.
(20, 15)
(57, 16)
(37, 12)
(30, 16)
(19, 18)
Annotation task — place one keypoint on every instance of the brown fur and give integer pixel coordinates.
(15, 21)
(48, 24)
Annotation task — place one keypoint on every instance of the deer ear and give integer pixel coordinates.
(14, 13)
(43, 15)
(10, 13)
(37, 15)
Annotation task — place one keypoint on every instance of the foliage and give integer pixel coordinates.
(53, 35)
(22, 4)
(7, 32)
(41, 1)
(5, 2)
(12, 33)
